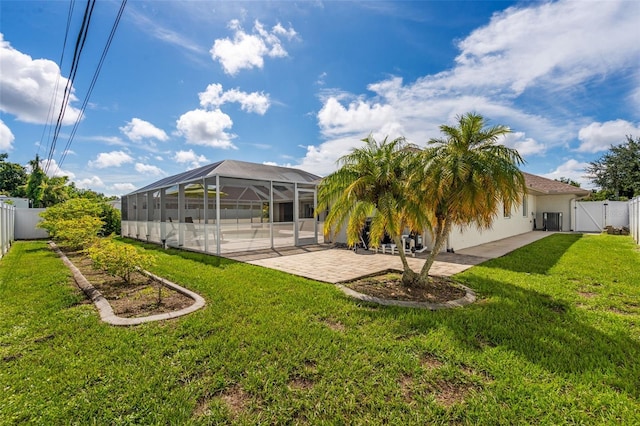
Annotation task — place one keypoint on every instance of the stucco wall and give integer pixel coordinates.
(519, 222)
(556, 204)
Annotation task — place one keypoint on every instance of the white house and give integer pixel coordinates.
(547, 206)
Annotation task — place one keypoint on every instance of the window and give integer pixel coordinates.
(525, 207)
(505, 212)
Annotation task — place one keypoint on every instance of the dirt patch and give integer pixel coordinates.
(236, 400)
(430, 361)
(587, 294)
(300, 383)
(406, 386)
(448, 393)
(136, 299)
(389, 286)
(334, 325)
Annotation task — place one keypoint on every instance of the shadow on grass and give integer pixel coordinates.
(545, 331)
(538, 257)
(206, 259)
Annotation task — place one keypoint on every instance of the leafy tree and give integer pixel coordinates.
(36, 183)
(13, 177)
(56, 190)
(372, 182)
(617, 172)
(467, 179)
(568, 181)
(111, 218)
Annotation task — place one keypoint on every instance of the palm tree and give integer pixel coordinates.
(372, 182)
(466, 179)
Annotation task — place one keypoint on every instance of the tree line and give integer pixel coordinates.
(41, 190)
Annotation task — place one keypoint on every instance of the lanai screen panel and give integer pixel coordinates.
(244, 214)
(258, 207)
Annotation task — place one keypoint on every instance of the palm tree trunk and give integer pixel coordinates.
(409, 277)
(442, 232)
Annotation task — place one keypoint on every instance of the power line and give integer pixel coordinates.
(93, 82)
(80, 41)
(54, 94)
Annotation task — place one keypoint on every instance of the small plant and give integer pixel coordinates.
(119, 260)
(77, 222)
(78, 233)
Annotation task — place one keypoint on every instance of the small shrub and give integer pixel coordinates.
(55, 216)
(78, 233)
(119, 260)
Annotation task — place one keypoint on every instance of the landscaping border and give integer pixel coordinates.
(468, 298)
(104, 307)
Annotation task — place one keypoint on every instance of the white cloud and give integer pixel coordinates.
(27, 86)
(6, 137)
(53, 170)
(207, 128)
(560, 44)
(191, 158)
(524, 145)
(246, 51)
(215, 96)
(598, 137)
(90, 183)
(137, 130)
(109, 140)
(149, 169)
(123, 187)
(550, 48)
(359, 117)
(572, 169)
(157, 30)
(111, 159)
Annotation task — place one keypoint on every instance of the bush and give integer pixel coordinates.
(111, 218)
(119, 260)
(56, 217)
(78, 233)
(71, 210)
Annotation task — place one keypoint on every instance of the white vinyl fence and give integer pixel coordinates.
(26, 221)
(634, 218)
(7, 220)
(594, 216)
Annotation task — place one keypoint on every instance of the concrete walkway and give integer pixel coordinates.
(334, 265)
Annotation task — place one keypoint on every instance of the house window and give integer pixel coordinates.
(505, 212)
(525, 207)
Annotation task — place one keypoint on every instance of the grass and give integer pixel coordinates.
(554, 339)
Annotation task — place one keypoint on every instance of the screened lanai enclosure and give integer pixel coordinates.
(226, 207)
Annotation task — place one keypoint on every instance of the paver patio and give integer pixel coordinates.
(335, 265)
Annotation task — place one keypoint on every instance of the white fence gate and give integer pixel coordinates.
(594, 216)
(634, 218)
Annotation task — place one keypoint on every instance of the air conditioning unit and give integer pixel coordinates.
(552, 221)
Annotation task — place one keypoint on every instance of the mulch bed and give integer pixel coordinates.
(137, 299)
(388, 285)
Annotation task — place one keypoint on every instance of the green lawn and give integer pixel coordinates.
(553, 339)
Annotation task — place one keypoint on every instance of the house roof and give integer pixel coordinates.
(237, 169)
(543, 186)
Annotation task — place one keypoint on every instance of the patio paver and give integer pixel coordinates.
(335, 265)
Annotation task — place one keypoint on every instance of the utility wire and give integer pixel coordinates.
(54, 95)
(80, 41)
(93, 83)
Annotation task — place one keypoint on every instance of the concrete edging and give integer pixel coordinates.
(468, 298)
(104, 307)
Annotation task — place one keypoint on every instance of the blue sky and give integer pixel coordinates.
(187, 83)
